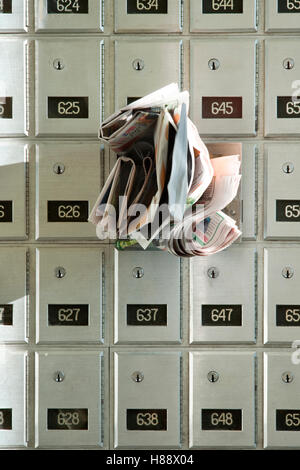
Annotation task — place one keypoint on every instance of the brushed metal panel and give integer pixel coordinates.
(236, 77)
(234, 285)
(160, 389)
(233, 390)
(82, 284)
(160, 285)
(82, 370)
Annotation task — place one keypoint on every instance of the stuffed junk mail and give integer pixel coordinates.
(165, 188)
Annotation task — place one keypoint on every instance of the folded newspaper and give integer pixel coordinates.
(165, 188)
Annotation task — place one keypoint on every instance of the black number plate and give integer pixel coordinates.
(68, 107)
(67, 6)
(218, 107)
(68, 315)
(147, 6)
(287, 420)
(222, 6)
(68, 211)
(6, 6)
(287, 315)
(222, 315)
(6, 211)
(222, 420)
(288, 107)
(5, 418)
(6, 315)
(288, 210)
(6, 107)
(288, 6)
(132, 99)
(147, 315)
(147, 420)
(68, 419)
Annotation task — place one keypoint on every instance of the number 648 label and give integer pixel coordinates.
(221, 420)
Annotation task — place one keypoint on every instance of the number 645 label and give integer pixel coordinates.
(227, 107)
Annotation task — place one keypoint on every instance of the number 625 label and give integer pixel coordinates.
(68, 107)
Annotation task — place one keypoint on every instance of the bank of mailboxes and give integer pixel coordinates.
(149, 15)
(66, 415)
(69, 299)
(69, 83)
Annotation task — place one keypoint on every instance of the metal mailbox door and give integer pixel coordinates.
(69, 180)
(66, 415)
(13, 295)
(217, 15)
(282, 296)
(147, 298)
(222, 399)
(223, 86)
(69, 297)
(75, 15)
(68, 86)
(223, 298)
(282, 108)
(147, 65)
(147, 399)
(148, 16)
(282, 15)
(13, 16)
(13, 198)
(13, 63)
(282, 193)
(281, 399)
(13, 406)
